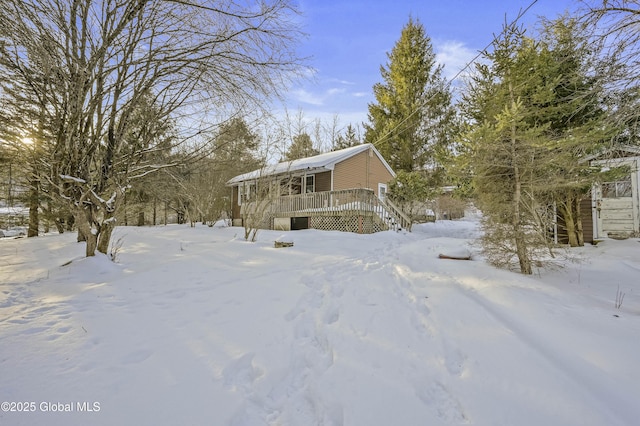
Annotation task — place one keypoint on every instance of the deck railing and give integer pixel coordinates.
(401, 217)
(343, 202)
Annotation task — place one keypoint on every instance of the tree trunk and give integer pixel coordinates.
(34, 220)
(48, 216)
(9, 196)
(126, 219)
(59, 225)
(165, 213)
(92, 243)
(519, 233)
(105, 236)
(84, 230)
(570, 210)
(579, 229)
(566, 209)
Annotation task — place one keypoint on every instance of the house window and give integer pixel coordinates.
(296, 186)
(246, 192)
(382, 191)
(310, 184)
(280, 187)
(618, 189)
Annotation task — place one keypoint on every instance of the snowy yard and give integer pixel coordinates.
(194, 326)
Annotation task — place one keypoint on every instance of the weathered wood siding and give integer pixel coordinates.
(617, 214)
(587, 223)
(364, 170)
(586, 213)
(620, 213)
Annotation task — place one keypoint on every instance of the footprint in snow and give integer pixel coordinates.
(332, 315)
(137, 357)
(455, 362)
(439, 398)
(241, 372)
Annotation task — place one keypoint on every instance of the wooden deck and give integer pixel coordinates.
(353, 210)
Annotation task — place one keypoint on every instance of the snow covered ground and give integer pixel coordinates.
(195, 326)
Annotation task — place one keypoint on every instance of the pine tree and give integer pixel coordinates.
(411, 121)
(348, 139)
(301, 147)
(535, 115)
(575, 118)
(504, 148)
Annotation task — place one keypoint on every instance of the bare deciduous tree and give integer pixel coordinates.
(614, 25)
(90, 66)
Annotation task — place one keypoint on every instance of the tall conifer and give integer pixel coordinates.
(411, 120)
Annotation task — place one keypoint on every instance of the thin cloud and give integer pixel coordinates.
(304, 96)
(454, 55)
(345, 82)
(317, 99)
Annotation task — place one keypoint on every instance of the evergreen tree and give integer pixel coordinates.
(236, 146)
(535, 114)
(412, 120)
(504, 148)
(575, 118)
(348, 139)
(301, 147)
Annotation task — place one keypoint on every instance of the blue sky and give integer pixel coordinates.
(348, 41)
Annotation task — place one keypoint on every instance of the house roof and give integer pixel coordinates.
(317, 163)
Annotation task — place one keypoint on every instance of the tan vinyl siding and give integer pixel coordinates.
(323, 181)
(364, 170)
(378, 173)
(351, 173)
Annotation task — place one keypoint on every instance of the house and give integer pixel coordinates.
(615, 206)
(341, 190)
(612, 209)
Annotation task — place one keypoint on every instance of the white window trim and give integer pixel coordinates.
(381, 186)
(313, 184)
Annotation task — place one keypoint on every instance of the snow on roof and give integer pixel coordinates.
(320, 162)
